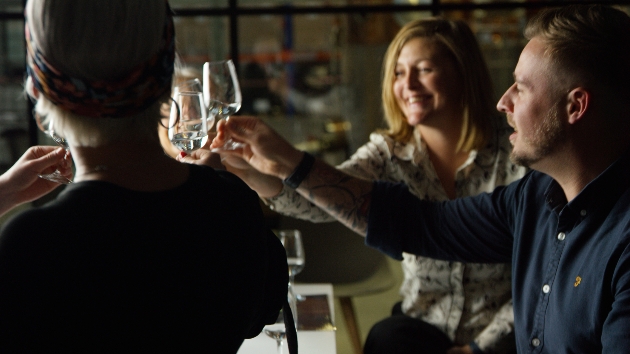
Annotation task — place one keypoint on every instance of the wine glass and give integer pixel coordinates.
(222, 94)
(292, 242)
(56, 175)
(187, 126)
(277, 331)
(194, 85)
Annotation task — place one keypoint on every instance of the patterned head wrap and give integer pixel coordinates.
(145, 84)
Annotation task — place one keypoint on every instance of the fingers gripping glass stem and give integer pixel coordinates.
(55, 176)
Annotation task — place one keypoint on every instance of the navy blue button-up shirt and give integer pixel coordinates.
(570, 261)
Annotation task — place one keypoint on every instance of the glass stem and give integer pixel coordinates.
(293, 301)
(291, 281)
(279, 345)
(297, 297)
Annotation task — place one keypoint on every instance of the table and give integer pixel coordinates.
(309, 341)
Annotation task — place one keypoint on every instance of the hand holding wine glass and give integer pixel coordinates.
(187, 126)
(56, 176)
(21, 184)
(222, 94)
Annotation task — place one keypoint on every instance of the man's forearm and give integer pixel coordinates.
(344, 197)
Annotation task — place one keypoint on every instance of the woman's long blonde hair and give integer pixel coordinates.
(477, 98)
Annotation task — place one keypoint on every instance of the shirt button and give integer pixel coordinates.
(561, 236)
(546, 288)
(535, 342)
(583, 212)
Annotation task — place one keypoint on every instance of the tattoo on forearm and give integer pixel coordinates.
(344, 197)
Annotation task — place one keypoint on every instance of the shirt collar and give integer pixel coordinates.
(600, 192)
(416, 150)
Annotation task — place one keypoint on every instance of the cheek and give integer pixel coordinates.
(398, 93)
(397, 88)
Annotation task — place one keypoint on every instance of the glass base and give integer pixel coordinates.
(229, 145)
(56, 177)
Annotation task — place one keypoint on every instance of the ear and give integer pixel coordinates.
(578, 102)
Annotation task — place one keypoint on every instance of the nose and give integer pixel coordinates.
(412, 78)
(505, 103)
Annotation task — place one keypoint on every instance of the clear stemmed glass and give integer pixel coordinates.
(277, 331)
(222, 93)
(187, 126)
(194, 85)
(55, 176)
(292, 242)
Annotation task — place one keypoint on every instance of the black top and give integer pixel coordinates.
(104, 268)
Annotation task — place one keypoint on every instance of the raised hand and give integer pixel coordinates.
(21, 183)
(265, 185)
(266, 150)
(344, 197)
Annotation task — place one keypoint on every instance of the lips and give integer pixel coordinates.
(510, 121)
(512, 136)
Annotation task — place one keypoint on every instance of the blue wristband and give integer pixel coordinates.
(300, 172)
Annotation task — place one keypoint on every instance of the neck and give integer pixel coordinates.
(446, 160)
(582, 159)
(136, 165)
(441, 142)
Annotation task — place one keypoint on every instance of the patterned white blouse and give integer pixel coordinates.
(466, 301)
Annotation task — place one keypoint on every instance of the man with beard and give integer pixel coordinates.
(565, 226)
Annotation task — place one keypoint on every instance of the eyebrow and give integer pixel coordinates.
(521, 82)
(418, 61)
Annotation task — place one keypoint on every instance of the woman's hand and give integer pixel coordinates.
(266, 186)
(266, 150)
(21, 183)
(344, 197)
(201, 156)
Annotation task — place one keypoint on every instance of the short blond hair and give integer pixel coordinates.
(587, 45)
(478, 102)
(97, 40)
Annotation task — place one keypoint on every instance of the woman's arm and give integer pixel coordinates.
(344, 197)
